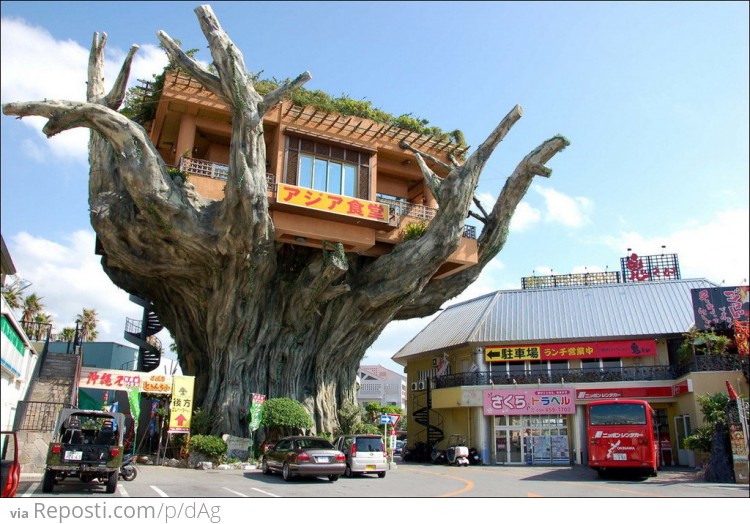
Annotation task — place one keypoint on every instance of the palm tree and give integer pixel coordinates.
(41, 321)
(32, 305)
(13, 294)
(67, 334)
(88, 322)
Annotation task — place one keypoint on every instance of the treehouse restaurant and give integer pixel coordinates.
(331, 178)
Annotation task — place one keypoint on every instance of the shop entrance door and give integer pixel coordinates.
(508, 444)
(682, 429)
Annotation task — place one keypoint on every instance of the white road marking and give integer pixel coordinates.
(265, 493)
(122, 490)
(160, 492)
(30, 490)
(236, 492)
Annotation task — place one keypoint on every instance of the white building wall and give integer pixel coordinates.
(18, 361)
(380, 384)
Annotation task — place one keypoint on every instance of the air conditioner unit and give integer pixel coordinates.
(414, 386)
(421, 385)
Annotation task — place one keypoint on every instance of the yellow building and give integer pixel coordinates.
(559, 348)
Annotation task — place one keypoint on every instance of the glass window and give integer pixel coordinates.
(617, 414)
(611, 363)
(350, 181)
(325, 175)
(590, 363)
(305, 171)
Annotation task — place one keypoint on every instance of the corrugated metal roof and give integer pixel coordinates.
(600, 312)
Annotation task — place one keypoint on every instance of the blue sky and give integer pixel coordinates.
(652, 96)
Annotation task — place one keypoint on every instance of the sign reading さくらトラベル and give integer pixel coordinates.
(532, 401)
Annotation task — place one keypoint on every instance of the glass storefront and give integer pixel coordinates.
(532, 440)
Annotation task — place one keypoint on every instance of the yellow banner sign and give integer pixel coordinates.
(181, 409)
(516, 353)
(339, 204)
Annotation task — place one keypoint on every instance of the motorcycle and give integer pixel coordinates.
(437, 456)
(128, 471)
(474, 458)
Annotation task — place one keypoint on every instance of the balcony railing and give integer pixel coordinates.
(196, 166)
(399, 208)
(624, 374)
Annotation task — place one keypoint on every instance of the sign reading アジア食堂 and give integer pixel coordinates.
(531, 401)
(332, 203)
(571, 350)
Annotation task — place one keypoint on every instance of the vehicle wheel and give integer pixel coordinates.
(381, 474)
(264, 467)
(129, 472)
(48, 483)
(112, 481)
(333, 478)
(348, 472)
(286, 473)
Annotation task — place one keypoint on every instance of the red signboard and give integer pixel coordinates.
(637, 392)
(571, 351)
(535, 401)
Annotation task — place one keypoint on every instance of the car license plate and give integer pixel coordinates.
(322, 458)
(370, 467)
(73, 455)
(621, 456)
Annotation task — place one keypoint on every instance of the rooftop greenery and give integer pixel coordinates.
(140, 105)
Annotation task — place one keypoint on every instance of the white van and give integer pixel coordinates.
(364, 454)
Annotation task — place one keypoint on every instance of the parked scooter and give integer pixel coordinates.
(128, 471)
(474, 458)
(457, 454)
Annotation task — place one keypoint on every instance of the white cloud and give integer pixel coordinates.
(69, 278)
(524, 216)
(718, 250)
(59, 72)
(567, 210)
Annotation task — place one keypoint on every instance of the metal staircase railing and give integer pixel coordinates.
(141, 333)
(425, 416)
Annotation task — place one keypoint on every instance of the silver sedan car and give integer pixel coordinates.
(304, 456)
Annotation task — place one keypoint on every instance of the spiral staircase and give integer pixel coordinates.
(424, 415)
(141, 333)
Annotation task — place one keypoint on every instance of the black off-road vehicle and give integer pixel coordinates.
(88, 445)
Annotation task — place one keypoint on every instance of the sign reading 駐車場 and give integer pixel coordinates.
(571, 350)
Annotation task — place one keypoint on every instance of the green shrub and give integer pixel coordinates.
(210, 445)
(413, 230)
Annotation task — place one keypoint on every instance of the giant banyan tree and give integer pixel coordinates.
(245, 316)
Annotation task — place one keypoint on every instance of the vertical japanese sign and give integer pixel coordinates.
(720, 307)
(256, 411)
(181, 409)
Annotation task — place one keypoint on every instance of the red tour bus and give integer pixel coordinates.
(622, 436)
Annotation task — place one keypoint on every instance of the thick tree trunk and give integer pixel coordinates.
(248, 315)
